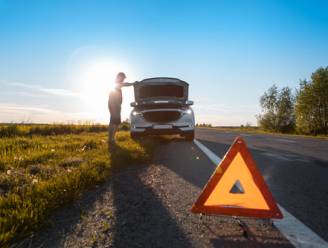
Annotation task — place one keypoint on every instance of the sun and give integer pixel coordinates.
(96, 79)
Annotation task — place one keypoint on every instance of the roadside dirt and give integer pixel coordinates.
(148, 207)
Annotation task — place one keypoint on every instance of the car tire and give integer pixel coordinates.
(190, 136)
(135, 135)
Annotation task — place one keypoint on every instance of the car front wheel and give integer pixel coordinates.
(135, 135)
(190, 136)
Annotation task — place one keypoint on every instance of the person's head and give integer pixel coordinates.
(120, 77)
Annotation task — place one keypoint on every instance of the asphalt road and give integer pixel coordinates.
(149, 206)
(295, 169)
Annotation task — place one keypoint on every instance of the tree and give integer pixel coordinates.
(277, 110)
(312, 104)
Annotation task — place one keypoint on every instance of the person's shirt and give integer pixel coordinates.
(115, 96)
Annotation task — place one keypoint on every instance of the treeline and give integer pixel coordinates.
(304, 111)
(203, 125)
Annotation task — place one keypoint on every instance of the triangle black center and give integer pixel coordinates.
(237, 188)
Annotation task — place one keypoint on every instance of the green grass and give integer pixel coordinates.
(258, 130)
(41, 173)
(14, 130)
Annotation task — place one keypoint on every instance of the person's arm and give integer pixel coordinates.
(128, 84)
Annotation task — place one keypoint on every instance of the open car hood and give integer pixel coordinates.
(160, 89)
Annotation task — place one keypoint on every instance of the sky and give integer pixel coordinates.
(58, 59)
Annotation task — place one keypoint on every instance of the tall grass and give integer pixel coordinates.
(13, 130)
(28, 130)
(39, 174)
(9, 131)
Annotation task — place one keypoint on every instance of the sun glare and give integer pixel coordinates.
(95, 82)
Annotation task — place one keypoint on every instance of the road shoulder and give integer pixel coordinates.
(149, 206)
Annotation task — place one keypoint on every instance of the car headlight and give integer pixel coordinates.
(135, 113)
(188, 112)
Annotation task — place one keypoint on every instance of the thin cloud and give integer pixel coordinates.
(60, 92)
(22, 113)
(40, 89)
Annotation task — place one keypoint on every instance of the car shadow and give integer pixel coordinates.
(186, 160)
(141, 218)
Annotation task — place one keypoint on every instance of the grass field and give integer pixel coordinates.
(43, 167)
(258, 130)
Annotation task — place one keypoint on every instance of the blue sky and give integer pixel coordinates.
(58, 58)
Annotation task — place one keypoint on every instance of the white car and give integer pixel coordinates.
(162, 107)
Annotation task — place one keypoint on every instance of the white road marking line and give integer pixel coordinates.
(294, 230)
(215, 159)
(286, 140)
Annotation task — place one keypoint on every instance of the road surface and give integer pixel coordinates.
(149, 206)
(295, 169)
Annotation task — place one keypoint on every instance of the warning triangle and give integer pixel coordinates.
(237, 188)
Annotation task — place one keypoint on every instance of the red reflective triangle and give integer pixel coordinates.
(254, 200)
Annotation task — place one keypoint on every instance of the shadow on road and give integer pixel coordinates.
(141, 219)
(186, 160)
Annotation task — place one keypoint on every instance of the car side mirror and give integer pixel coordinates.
(189, 102)
(133, 104)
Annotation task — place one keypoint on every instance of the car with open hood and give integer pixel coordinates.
(162, 106)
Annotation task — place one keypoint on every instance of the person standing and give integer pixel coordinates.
(114, 106)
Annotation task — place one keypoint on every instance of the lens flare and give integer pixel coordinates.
(94, 81)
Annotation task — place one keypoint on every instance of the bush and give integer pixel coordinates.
(277, 110)
(9, 131)
(312, 104)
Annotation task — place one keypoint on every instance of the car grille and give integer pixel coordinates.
(161, 116)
